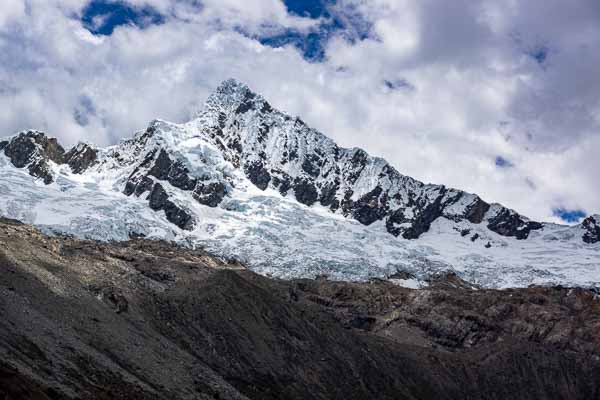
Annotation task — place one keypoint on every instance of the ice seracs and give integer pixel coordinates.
(253, 183)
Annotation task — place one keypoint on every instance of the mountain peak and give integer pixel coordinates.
(214, 182)
(229, 95)
(231, 85)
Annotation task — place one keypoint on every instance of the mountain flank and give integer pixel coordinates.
(278, 151)
(146, 319)
(252, 183)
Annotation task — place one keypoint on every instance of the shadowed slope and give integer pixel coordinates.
(148, 320)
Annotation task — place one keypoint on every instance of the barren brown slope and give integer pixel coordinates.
(148, 320)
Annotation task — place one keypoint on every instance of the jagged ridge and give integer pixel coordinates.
(253, 183)
(278, 151)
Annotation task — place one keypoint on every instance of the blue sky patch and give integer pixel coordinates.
(539, 54)
(569, 215)
(101, 17)
(502, 162)
(351, 26)
(308, 8)
(311, 45)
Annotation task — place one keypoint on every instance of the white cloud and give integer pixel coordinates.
(476, 93)
(10, 11)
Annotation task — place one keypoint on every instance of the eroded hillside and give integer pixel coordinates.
(149, 320)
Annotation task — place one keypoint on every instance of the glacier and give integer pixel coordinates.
(248, 182)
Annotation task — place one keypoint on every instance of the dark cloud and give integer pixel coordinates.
(84, 111)
(398, 84)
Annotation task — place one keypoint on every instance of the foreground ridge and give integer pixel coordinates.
(151, 320)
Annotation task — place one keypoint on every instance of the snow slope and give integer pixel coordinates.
(248, 182)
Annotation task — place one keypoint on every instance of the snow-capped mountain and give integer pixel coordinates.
(249, 182)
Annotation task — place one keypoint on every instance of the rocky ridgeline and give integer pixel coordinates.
(35, 151)
(274, 150)
(278, 151)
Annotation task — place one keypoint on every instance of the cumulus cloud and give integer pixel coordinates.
(441, 89)
(10, 11)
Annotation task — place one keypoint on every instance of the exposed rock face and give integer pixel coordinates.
(171, 171)
(509, 223)
(148, 320)
(370, 207)
(458, 316)
(32, 149)
(81, 157)
(592, 226)
(210, 194)
(282, 152)
(159, 166)
(416, 225)
(305, 191)
(475, 213)
(159, 200)
(258, 175)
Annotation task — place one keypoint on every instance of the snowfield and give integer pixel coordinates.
(274, 233)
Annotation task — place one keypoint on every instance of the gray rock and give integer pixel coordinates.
(80, 158)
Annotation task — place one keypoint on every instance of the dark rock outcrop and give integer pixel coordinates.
(509, 223)
(171, 171)
(210, 194)
(144, 185)
(475, 213)
(592, 227)
(328, 194)
(159, 200)
(371, 207)
(160, 166)
(81, 157)
(412, 228)
(246, 104)
(282, 182)
(34, 150)
(258, 175)
(305, 191)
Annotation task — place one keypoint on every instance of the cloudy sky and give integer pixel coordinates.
(496, 97)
